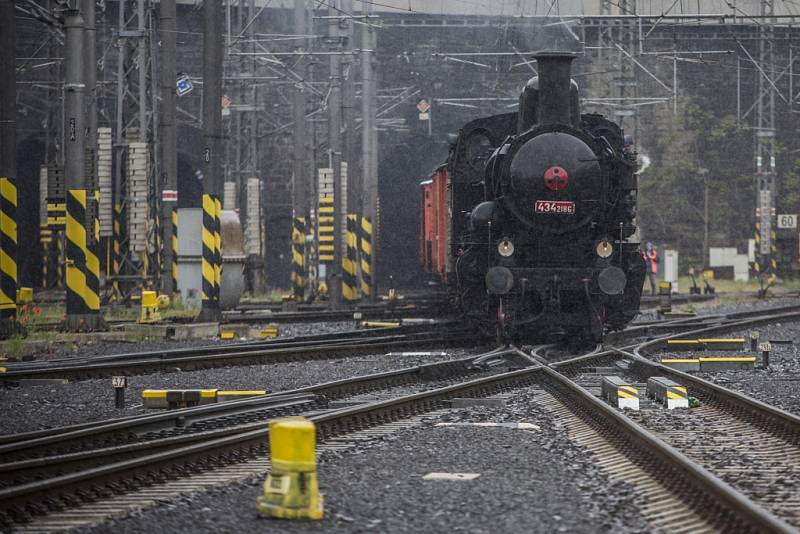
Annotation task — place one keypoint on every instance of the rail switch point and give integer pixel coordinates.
(291, 490)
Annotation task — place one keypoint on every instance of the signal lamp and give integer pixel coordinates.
(505, 248)
(604, 249)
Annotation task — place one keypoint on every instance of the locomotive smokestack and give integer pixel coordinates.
(551, 93)
(555, 81)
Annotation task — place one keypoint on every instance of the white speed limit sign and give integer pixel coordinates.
(787, 221)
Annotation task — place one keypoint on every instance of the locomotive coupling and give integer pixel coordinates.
(291, 490)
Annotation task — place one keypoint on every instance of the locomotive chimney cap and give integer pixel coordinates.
(557, 39)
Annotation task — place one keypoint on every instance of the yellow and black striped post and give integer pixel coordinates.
(8, 257)
(60, 260)
(325, 237)
(210, 304)
(349, 265)
(92, 290)
(158, 255)
(217, 246)
(757, 264)
(299, 258)
(366, 258)
(46, 239)
(175, 251)
(116, 256)
(765, 266)
(76, 260)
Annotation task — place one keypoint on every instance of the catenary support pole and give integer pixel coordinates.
(169, 155)
(369, 147)
(74, 172)
(8, 173)
(351, 185)
(92, 223)
(212, 157)
(335, 152)
(301, 174)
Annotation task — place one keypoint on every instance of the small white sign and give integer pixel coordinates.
(765, 347)
(183, 86)
(119, 381)
(787, 221)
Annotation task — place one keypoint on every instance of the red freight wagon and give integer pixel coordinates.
(433, 225)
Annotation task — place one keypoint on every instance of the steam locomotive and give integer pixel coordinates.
(530, 223)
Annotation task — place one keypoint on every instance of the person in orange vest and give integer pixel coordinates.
(651, 265)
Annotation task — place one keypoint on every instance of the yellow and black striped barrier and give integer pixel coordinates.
(174, 250)
(366, 257)
(182, 398)
(349, 265)
(326, 238)
(620, 393)
(671, 394)
(8, 250)
(299, 258)
(76, 259)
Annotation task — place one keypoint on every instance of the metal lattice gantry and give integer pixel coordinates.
(766, 257)
(136, 161)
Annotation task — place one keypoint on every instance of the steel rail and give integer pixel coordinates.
(726, 501)
(65, 437)
(339, 421)
(705, 483)
(233, 347)
(202, 358)
(35, 493)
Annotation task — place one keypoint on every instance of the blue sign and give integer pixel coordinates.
(183, 86)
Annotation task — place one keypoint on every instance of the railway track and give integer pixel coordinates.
(59, 468)
(681, 488)
(701, 498)
(340, 345)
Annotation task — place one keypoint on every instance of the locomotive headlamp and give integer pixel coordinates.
(505, 248)
(604, 249)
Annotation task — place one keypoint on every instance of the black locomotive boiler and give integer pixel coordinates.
(539, 235)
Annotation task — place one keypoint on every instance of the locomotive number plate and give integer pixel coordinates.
(558, 207)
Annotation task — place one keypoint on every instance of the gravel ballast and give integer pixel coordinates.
(88, 349)
(530, 481)
(776, 385)
(35, 407)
